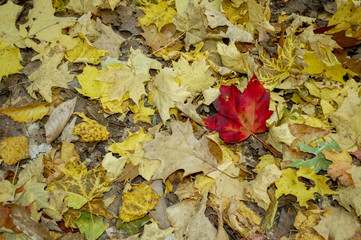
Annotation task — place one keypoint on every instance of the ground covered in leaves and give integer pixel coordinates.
(180, 119)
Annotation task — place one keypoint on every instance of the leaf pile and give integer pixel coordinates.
(194, 114)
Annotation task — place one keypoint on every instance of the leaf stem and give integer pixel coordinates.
(274, 151)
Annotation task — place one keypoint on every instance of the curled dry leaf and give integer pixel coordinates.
(58, 119)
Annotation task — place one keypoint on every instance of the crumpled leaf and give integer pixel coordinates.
(138, 202)
(304, 223)
(58, 119)
(160, 14)
(10, 59)
(90, 130)
(319, 162)
(240, 114)
(181, 150)
(30, 112)
(289, 184)
(14, 149)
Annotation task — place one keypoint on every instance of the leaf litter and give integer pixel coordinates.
(217, 119)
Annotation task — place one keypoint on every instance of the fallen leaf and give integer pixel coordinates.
(84, 52)
(167, 92)
(10, 59)
(25, 223)
(14, 149)
(289, 184)
(58, 119)
(349, 197)
(9, 31)
(44, 26)
(30, 112)
(84, 6)
(240, 114)
(319, 162)
(90, 130)
(81, 185)
(196, 76)
(341, 164)
(304, 223)
(93, 226)
(181, 150)
(329, 226)
(48, 75)
(198, 226)
(157, 39)
(160, 14)
(137, 202)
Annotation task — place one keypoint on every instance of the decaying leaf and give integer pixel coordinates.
(90, 130)
(14, 149)
(138, 201)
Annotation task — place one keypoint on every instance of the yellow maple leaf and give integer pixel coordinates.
(195, 76)
(44, 26)
(137, 202)
(83, 52)
(90, 86)
(81, 185)
(276, 70)
(31, 112)
(14, 149)
(142, 113)
(327, 65)
(160, 14)
(48, 75)
(9, 59)
(289, 184)
(90, 130)
(127, 147)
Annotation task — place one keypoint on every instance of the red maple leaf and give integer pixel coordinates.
(240, 114)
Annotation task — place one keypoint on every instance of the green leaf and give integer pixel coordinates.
(92, 225)
(132, 227)
(319, 162)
